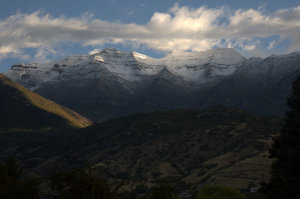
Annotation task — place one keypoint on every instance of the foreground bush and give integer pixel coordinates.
(13, 185)
(219, 192)
(79, 184)
(162, 191)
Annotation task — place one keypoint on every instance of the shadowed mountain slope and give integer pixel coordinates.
(185, 147)
(22, 108)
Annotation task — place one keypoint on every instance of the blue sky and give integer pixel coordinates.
(43, 30)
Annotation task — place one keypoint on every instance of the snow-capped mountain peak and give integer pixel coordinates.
(198, 67)
(201, 66)
(113, 83)
(221, 56)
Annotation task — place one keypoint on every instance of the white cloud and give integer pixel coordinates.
(43, 53)
(180, 28)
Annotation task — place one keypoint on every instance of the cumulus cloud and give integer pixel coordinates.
(181, 28)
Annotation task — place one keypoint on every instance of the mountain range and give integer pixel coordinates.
(185, 146)
(114, 83)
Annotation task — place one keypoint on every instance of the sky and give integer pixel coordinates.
(42, 30)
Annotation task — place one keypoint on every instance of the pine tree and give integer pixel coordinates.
(285, 181)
